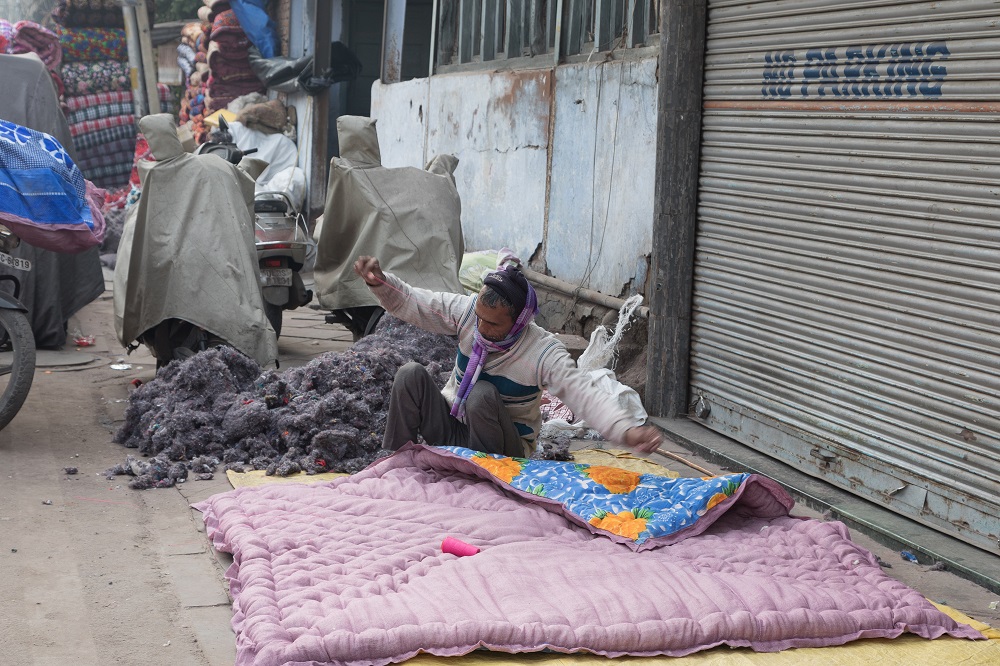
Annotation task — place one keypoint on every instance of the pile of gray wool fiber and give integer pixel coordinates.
(220, 408)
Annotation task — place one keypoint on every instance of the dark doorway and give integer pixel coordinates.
(364, 37)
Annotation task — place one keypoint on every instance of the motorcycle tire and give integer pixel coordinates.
(273, 313)
(17, 366)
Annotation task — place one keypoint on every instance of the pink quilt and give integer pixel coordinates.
(351, 572)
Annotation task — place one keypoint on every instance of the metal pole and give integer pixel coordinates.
(148, 59)
(434, 20)
(320, 105)
(139, 106)
(558, 45)
(392, 40)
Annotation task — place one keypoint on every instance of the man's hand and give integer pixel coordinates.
(644, 439)
(369, 270)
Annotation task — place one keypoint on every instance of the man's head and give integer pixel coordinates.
(501, 301)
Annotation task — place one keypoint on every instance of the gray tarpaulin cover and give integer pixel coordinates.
(410, 219)
(187, 250)
(58, 285)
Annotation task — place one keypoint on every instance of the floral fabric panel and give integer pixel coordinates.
(85, 78)
(634, 506)
(85, 44)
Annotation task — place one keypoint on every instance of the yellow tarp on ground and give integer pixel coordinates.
(610, 457)
(259, 478)
(623, 459)
(906, 650)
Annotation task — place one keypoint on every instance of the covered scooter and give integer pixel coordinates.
(411, 219)
(187, 275)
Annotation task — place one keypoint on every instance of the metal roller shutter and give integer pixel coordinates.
(847, 281)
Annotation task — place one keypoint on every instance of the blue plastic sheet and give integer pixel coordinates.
(258, 26)
(44, 197)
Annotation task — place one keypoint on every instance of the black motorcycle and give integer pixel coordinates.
(17, 343)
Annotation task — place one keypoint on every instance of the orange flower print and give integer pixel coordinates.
(614, 479)
(504, 469)
(715, 499)
(629, 524)
(725, 493)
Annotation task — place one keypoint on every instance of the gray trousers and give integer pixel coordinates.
(417, 406)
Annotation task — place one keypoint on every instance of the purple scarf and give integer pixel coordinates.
(483, 347)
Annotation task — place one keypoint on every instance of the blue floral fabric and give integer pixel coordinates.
(39, 183)
(636, 507)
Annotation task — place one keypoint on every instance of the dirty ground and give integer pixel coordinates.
(95, 573)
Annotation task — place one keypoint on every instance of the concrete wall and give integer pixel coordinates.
(560, 160)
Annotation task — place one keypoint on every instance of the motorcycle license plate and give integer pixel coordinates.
(276, 277)
(14, 262)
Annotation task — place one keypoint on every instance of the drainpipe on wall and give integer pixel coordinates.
(392, 41)
(588, 295)
(320, 110)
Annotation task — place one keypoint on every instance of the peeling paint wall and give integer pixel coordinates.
(402, 126)
(603, 163)
(593, 215)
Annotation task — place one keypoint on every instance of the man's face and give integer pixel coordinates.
(494, 322)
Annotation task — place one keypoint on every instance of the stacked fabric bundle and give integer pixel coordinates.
(6, 32)
(104, 134)
(30, 37)
(194, 41)
(95, 13)
(217, 52)
(192, 53)
(230, 74)
(98, 88)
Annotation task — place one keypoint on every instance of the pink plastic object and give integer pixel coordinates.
(456, 547)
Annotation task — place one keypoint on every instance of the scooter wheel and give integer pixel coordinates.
(17, 363)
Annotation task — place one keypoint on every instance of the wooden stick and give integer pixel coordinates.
(664, 452)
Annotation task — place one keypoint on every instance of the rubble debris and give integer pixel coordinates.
(71, 470)
(219, 408)
(47, 502)
(554, 449)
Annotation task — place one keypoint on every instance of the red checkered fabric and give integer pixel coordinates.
(116, 97)
(554, 408)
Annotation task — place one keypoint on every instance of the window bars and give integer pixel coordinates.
(478, 31)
